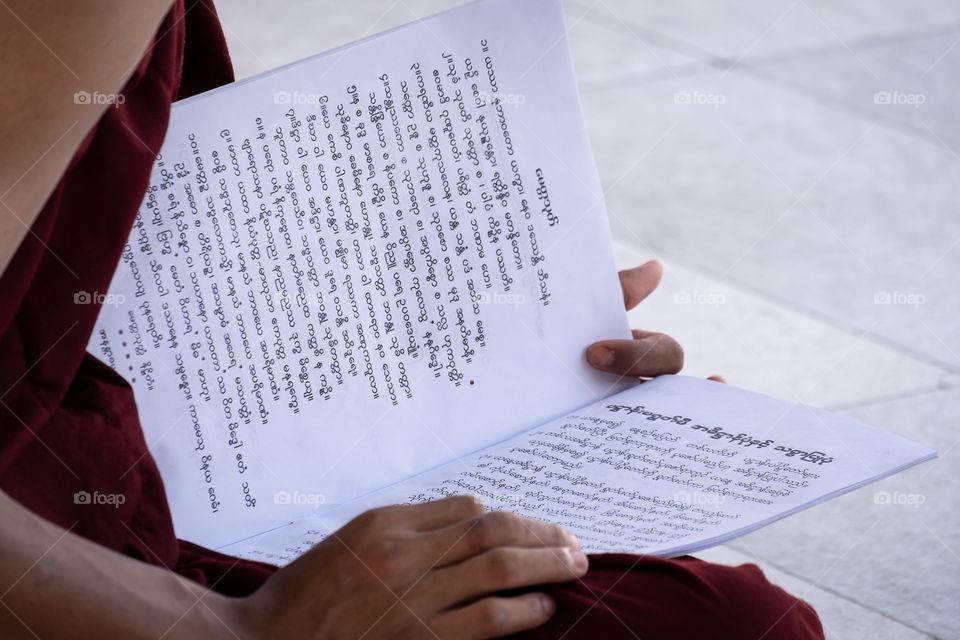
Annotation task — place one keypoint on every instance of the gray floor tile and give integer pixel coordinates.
(841, 618)
(851, 221)
(766, 347)
(893, 546)
(911, 81)
(605, 51)
(265, 35)
(738, 29)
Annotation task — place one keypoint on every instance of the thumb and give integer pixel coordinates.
(640, 282)
(647, 356)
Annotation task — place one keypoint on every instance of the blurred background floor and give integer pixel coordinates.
(795, 165)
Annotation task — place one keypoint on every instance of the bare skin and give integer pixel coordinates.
(426, 571)
(50, 52)
(649, 354)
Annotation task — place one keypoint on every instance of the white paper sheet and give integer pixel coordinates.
(429, 186)
(668, 467)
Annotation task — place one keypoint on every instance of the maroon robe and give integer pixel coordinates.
(68, 423)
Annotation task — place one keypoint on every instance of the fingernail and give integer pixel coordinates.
(600, 356)
(580, 561)
(572, 541)
(546, 603)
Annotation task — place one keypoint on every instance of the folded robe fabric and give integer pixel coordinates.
(69, 424)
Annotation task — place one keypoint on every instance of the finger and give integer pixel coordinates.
(437, 514)
(495, 617)
(469, 538)
(647, 356)
(640, 282)
(506, 568)
(717, 378)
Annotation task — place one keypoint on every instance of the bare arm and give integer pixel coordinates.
(55, 584)
(49, 51)
(447, 561)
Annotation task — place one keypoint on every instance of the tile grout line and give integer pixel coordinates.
(878, 39)
(892, 397)
(731, 62)
(672, 43)
(833, 592)
(945, 367)
(888, 121)
(596, 84)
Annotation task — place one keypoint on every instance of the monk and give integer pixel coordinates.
(87, 88)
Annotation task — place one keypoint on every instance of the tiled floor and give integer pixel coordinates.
(814, 216)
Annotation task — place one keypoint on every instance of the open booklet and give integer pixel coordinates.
(370, 276)
(668, 467)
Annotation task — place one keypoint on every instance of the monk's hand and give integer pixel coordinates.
(436, 570)
(649, 354)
